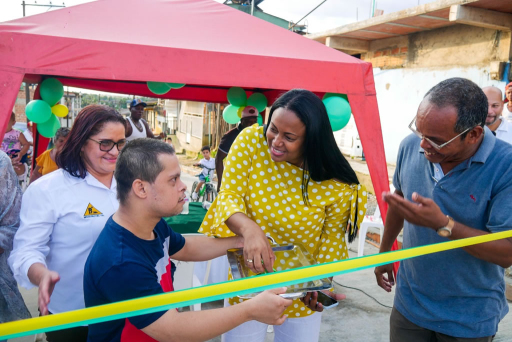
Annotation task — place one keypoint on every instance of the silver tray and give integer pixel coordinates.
(287, 257)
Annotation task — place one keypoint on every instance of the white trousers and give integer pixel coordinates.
(303, 329)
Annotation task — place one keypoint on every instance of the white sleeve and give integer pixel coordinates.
(31, 242)
(28, 136)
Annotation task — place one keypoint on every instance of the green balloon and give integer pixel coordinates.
(257, 100)
(158, 88)
(51, 91)
(176, 85)
(230, 114)
(38, 111)
(327, 95)
(260, 120)
(49, 128)
(338, 110)
(237, 96)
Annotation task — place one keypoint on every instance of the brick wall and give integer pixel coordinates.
(387, 58)
(19, 105)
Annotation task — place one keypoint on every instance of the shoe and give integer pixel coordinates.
(194, 196)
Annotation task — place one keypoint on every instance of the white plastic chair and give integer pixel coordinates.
(369, 221)
(184, 277)
(374, 221)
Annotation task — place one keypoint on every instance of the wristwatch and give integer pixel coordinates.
(446, 231)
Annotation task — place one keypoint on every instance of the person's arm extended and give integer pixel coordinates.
(201, 248)
(425, 212)
(149, 133)
(498, 252)
(259, 248)
(219, 166)
(35, 174)
(267, 307)
(392, 227)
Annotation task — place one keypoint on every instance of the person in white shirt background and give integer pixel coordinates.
(497, 123)
(507, 108)
(136, 126)
(209, 167)
(63, 213)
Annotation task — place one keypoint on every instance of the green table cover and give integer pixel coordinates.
(185, 224)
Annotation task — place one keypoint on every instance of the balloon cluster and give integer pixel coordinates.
(40, 111)
(161, 88)
(338, 110)
(238, 101)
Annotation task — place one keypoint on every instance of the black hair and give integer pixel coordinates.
(89, 121)
(205, 148)
(467, 97)
(322, 157)
(139, 160)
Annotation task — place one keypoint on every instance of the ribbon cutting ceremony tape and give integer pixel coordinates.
(208, 293)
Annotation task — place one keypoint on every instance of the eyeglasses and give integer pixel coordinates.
(108, 145)
(412, 127)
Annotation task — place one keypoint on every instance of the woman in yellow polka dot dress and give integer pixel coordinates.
(292, 183)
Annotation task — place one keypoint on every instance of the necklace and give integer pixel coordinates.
(138, 125)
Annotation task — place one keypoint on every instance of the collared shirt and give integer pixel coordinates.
(210, 164)
(453, 292)
(61, 218)
(504, 131)
(438, 171)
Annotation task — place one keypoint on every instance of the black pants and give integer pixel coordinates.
(77, 334)
(403, 330)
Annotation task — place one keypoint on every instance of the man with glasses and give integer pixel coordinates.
(453, 180)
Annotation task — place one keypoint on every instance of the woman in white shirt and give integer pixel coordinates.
(63, 214)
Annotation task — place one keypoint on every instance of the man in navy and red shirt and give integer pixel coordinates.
(130, 259)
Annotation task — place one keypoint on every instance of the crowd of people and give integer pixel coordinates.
(89, 230)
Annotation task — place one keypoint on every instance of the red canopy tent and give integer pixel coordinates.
(118, 45)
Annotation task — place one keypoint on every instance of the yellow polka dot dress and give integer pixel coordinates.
(270, 194)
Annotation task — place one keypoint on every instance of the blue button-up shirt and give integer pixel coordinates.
(453, 292)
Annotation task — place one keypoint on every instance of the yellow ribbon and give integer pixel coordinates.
(228, 289)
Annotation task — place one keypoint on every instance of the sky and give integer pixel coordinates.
(331, 14)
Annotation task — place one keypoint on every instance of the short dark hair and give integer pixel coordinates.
(13, 116)
(467, 97)
(139, 160)
(89, 121)
(205, 148)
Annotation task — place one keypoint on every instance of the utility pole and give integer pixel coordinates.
(23, 4)
(252, 7)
